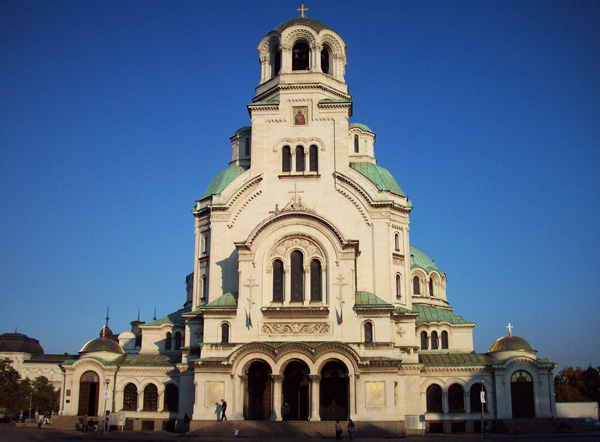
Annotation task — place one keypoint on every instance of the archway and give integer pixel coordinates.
(89, 387)
(258, 399)
(334, 391)
(521, 395)
(296, 391)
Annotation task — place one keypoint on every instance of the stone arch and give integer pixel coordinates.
(334, 390)
(300, 34)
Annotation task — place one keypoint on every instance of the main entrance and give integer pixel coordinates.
(89, 387)
(521, 395)
(334, 391)
(258, 405)
(296, 392)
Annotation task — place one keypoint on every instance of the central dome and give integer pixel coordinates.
(102, 344)
(511, 343)
(310, 22)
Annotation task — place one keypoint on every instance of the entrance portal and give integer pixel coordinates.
(296, 392)
(521, 395)
(89, 387)
(334, 389)
(258, 405)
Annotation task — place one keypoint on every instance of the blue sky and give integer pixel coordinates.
(114, 116)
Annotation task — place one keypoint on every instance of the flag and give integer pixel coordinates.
(341, 315)
(248, 320)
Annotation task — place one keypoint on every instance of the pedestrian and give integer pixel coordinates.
(351, 429)
(186, 423)
(338, 431)
(223, 409)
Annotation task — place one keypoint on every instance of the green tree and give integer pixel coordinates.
(577, 385)
(45, 397)
(10, 391)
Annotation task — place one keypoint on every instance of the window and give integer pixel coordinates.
(398, 287)
(276, 64)
(168, 341)
(315, 280)
(397, 241)
(247, 147)
(177, 341)
(434, 398)
(424, 340)
(416, 286)
(286, 159)
(130, 397)
(456, 398)
(204, 287)
(297, 276)
(299, 159)
(475, 395)
(278, 285)
(313, 153)
(368, 332)
(150, 398)
(300, 57)
(355, 143)
(434, 340)
(444, 340)
(430, 287)
(224, 333)
(171, 398)
(325, 60)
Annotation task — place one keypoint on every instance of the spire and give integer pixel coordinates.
(154, 313)
(138, 314)
(107, 318)
(302, 9)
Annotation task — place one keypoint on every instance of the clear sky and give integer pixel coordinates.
(114, 117)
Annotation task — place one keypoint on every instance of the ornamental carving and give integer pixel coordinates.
(299, 34)
(398, 261)
(296, 328)
(298, 242)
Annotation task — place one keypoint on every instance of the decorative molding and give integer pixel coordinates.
(303, 242)
(244, 205)
(356, 204)
(296, 328)
(295, 312)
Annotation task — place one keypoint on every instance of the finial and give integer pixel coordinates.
(302, 9)
(509, 327)
(154, 313)
(138, 314)
(15, 329)
(107, 318)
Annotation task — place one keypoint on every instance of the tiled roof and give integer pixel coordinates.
(222, 180)
(454, 359)
(227, 300)
(366, 299)
(242, 129)
(171, 318)
(360, 126)
(380, 177)
(427, 313)
(419, 259)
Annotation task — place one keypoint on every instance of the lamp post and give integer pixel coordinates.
(106, 393)
(30, 398)
(482, 400)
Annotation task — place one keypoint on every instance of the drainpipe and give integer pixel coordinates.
(114, 389)
(62, 393)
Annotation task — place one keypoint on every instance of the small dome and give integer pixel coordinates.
(310, 22)
(419, 259)
(511, 343)
(103, 343)
(20, 343)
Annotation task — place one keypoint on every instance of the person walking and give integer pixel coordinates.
(223, 408)
(338, 431)
(351, 429)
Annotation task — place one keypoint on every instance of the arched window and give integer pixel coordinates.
(297, 276)
(313, 159)
(204, 287)
(430, 287)
(278, 281)
(168, 341)
(299, 159)
(397, 241)
(355, 143)
(300, 57)
(398, 287)
(204, 240)
(177, 341)
(325, 60)
(434, 398)
(247, 147)
(434, 340)
(275, 61)
(224, 333)
(416, 286)
(444, 340)
(456, 398)
(171, 397)
(130, 397)
(315, 280)
(368, 332)
(424, 340)
(150, 398)
(286, 159)
(475, 395)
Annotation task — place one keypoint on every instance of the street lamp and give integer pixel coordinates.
(30, 397)
(482, 400)
(106, 393)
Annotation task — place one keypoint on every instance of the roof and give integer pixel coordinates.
(310, 22)
(242, 129)
(511, 343)
(227, 300)
(418, 259)
(366, 299)
(171, 318)
(454, 359)
(20, 343)
(360, 126)
(222, 180)
(137, 360)
(426, 313)
(380, 177)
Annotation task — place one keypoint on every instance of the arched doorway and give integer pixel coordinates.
(334, 391)
(89, 388)
(521, 395)
(296, 391)
(258, 406)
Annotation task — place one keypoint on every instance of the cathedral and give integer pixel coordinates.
(307, 300)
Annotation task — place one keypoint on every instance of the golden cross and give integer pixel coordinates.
(302, 9)
(509, 327)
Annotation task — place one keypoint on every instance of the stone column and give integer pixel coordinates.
(240, 393)
(277, 392)
(315, 392)
(306, 275)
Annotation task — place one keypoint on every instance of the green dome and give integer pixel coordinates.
(418, 259)
(360, 126)
(379, 176)
(241, 130)
(222, 180)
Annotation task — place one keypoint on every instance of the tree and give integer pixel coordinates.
(577, 385)
(10, 383)
(45, 397)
